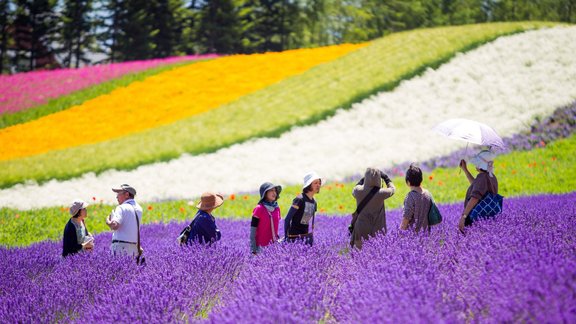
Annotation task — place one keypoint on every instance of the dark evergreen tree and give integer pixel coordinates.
(110, 19)
(34, 32)
(76, 32)
(6, 20)
(219, 29)
(167, 27)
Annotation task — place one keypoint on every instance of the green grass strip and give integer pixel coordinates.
(300, 100)
(551, 169)
(81, 96)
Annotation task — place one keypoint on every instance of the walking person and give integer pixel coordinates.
(265, 218)
(484, 182)
(371, 219)
(76, 235)
(203, 228)
(299, 223)
(417, 203)
(125, 222)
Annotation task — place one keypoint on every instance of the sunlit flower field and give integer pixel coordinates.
(518, 267)
(227, 124)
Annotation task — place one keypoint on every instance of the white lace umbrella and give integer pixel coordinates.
(470, 131)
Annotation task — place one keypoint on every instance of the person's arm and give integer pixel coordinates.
(113, 219)
(407, 213)
(288, 221)
(253, 226)
(390, 188)
(469, 206)
(464, 168)
(70, 241)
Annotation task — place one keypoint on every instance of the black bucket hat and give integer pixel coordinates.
(267, 186)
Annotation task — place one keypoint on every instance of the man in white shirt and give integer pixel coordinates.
(122, 220)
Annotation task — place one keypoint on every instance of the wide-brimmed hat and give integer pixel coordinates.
(267, 186)
(76, 206)
(210, 200)
(127, 188)
(484, 160)
(309, 178)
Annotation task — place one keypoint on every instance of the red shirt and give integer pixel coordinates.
(264, 229)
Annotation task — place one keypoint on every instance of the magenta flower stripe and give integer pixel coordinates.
(25, 90)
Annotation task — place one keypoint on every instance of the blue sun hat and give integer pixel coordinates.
(267, 186)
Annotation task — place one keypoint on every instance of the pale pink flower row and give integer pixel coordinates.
(25, 90)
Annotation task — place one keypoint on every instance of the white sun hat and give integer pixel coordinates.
(310, 177)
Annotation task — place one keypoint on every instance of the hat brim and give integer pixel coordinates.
(309, 182)
(123, 190)
(479, 163)
(278, 191)
(84, 206)
(217, 203)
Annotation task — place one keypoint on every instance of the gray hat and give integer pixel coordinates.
(127, 188)
(267, 186)
(76, 206)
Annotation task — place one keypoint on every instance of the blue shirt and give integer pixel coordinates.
(204, 229)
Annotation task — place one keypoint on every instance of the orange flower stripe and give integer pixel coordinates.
(161, 99)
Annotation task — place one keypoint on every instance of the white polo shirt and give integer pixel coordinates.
(124, 215)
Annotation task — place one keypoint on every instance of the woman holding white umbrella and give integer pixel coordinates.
(484, 182)
(478, 133)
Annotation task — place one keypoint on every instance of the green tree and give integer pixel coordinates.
(111, 16)
(35, 30)
(76, 34)
(6, 19)
(219, 29)
(167, 27)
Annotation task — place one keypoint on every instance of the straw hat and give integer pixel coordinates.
(210, 200)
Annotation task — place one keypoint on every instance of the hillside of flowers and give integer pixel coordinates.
(305, 98)
(23, 91)
(506, 84)
(160, 100)
(519, 267)
(273, 117)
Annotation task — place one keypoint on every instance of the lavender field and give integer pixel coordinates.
(520, 267)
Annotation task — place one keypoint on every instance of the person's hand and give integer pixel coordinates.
(463, 165)
(361, 182)
(386, 178)
(88, 246)
(461, 224)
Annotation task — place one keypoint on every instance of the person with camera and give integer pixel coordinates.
(125, 222)
(370, 195)
(76, 235)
